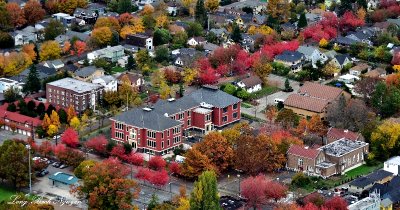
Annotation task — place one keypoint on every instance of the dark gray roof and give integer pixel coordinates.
(371, 178)
(214, 96)
(289, 56)
(176, 106)
(79, 35)
(386, 187)
(86, 71)
(43, 71)
(341, 58)
(146, 119)
(345, 40)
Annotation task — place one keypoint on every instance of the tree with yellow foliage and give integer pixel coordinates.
(110, 22)
(102, 36)
(165, 90)
(14, 63)
(75, 123)
(189, 4)
(385, 140)
(396, 68)
(323, 43)
(162, 21)
(50, 50)
(84, 122)
(55, 119)
(70, 113)
(147, 10)
(189, 75)
(52, 130)
(279, 9)
(211, 5)
(330, 69)
(46, 122)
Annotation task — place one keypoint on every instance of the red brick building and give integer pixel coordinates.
(160, 129)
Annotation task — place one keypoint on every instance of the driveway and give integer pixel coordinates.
(273, 80)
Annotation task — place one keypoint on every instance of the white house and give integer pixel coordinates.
(108, 82)
(6, 84)
(194, 41)
(172, 8)
(392, 165)
(348, 78)
(251, 84)
(313, 55)
(24, 36)
(112, 54)
(64, 18)
(57, 64)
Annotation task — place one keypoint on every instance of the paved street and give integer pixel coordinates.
(273, 80)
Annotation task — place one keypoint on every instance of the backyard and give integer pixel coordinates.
(5, 193)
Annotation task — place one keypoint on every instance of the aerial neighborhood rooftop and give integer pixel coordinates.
(204, 104)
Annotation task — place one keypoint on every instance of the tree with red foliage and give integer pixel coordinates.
(396, 58)
(275, 190)
(135, 159)
(253, 189)
(39, 165)
(310, 206)
(318, 32)
(240, 65)
(119, 152)
(270, 51)
(315, 198)
(157, 163)
(97, 143)
(159, 178)
(349, 21)
(80, 47)
(203, 64)
(154, 98)
(329, 19)
(393, 11)
(45, 148)
(174, 167)
(223, 69)
(70, 137)
(378, 15)
(336, 203)
(172, 76)
(208, 76)
(60, 151)
(144, 174)
(387, 3)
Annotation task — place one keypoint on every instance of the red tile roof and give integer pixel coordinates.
(337, 133)
(305, 102)
(16, 117)
(302, 151)
(316, 90)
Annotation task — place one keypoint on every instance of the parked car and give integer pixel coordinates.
(57, 164)
(63, 166)
(56, 137)
(44, 171)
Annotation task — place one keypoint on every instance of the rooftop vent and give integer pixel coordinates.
(147, 109)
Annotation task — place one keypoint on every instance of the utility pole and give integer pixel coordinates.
(29, 163)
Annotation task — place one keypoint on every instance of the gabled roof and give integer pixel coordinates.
(214, 96)
(371, 178)
(132, 77)
(87, 71)
(345, 40)
(320, 91)
(338, 133)
(289, 56)
(306, 103)
(307, 50)
(341, 58)
(301, 151)
(251, 81)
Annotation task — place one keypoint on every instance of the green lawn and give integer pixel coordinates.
(268, 90)
(117, 69)
(246, 105)
(5, 193)
(362, 170)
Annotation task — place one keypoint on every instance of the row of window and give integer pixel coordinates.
(119, 126)
(151, 143)
(119, 135)
(151, 134)
(177, 139)
(235, 106)
(181, 115)
(225, 118)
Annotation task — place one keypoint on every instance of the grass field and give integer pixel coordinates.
(5, 193)
(117, 69)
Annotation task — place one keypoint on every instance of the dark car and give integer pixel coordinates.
(57, 164)
(44, 171)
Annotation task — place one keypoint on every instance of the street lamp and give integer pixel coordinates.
(239, 183)
(29, 163)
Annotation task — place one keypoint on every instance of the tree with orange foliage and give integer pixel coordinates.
(33, 12)
(253, 152)
(316, 126)
(79, 47)
(271, 112)
(195, 163)
(67, 47)
(162, 21)
(29, 49)
(125, 19)
(110, 22)
(217, 149)
(16, 14)
(102, 36)
(147, 10)
(283, 139)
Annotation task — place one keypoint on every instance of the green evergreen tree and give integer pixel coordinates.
(236, 35)
(205, 192)
(153, 202)
(54, 29)
(345, 5)
(302, 21)
(287, 85)
(131, 63)
(124, 6)
(32, 83)
(201, 13)
(63, 116)
(113, 5)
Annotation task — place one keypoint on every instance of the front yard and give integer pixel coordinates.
(5, 193)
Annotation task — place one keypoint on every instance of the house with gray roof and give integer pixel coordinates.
(312, 54)
(88, 73)
(57, 64)
(43, 73)
(340, 60)
(159, 128)
(291, 59)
